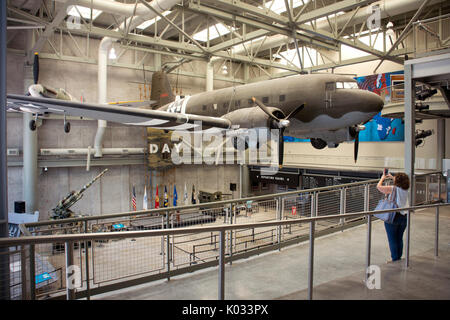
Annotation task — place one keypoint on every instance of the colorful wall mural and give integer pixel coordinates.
(378, 128)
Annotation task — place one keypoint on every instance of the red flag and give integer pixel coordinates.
(156, 199)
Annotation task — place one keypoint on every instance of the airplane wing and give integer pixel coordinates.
(130, 116)
(133, 104)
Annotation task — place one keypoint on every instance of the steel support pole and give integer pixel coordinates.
(86, 261)
(32, 274)
(222, 265)
(436, 241)
(23, 271)
(311, 260)
(70, 290)
(311, 247)
(410, 127)
(4, 257)
(280, 217)
(230, 233)
(168, 247)
(408, 236)
(369, 228)
(342, 206)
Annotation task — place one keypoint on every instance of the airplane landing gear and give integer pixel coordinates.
(32, 123)
(66, 125)
(318, 143)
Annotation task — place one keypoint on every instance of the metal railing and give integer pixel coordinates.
(168, 246)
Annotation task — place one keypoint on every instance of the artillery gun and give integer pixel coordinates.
(204, 196)
(62, 210)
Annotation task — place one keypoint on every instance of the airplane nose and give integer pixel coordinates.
(374, 103)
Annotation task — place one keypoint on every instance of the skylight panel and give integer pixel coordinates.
(279, 6)
(215, 31)
(148, 23)
(331, 16)
(291, 55)
(85, 12)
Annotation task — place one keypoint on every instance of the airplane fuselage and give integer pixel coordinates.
(332, 102)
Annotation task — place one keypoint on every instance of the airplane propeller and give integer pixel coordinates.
(355, 153)
(36, 68)
(281, 125)
(354, 131)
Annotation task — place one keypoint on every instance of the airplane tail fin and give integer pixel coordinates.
(161, 90)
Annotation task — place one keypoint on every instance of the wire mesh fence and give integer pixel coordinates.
(123, 258)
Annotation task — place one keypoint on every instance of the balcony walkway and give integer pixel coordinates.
(339, 268)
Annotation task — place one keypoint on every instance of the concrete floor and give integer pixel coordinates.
(339, 268)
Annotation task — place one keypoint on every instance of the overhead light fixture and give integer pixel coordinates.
(112, 54)
(224, 69)
(390, 28)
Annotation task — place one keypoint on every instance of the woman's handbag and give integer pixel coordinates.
(387, 203)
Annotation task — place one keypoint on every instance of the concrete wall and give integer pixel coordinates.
(208, 178)
(112, 193)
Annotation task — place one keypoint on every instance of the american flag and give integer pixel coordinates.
(133, 199)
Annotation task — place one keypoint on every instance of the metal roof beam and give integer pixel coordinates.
(270, 28)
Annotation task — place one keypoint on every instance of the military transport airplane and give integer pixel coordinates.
(325, 108)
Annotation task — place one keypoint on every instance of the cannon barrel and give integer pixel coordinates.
(92, 181)
(62, 210)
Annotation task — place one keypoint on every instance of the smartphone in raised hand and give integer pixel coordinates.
(386, 171)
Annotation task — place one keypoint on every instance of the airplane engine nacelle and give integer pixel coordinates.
(252, 117)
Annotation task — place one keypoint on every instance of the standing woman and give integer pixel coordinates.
(396, 229)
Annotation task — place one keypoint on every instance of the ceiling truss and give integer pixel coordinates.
(173, 36)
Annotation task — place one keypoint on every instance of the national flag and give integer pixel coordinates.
(175, 196)
(186, 197)
(156, 199)
(193, 195)
(166, 198)
(133, 199)
(144, 202)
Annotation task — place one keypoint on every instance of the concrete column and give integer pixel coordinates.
(157, 61)
(209, 76)
(30, 165)
(151, 195)
(30, 146)
(246, 72)
(244, 181)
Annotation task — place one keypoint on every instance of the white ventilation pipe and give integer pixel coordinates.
(103, 50)
(124, 9)
(137, 14)
(142, 14)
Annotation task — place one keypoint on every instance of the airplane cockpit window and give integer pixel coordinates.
(346, 85)
(350, 85)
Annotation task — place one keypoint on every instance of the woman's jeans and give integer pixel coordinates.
(395, 235)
